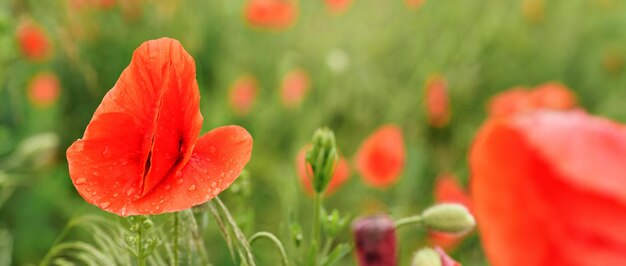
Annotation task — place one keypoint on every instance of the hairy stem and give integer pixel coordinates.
(408, 221)
(276, 242)
(241, 238)
(175, 242)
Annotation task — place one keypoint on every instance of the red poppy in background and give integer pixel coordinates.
(341, 175)
(437, 101)
(271, 14)
(141, 154)
(44, 89)
(294, 87)
(242, 95)
(338, 6)
(548, 189)
(414, 4)
(33, 41)
(551, 95)
(380, 160)
(448, 190)
(81, 4)
(510, 101)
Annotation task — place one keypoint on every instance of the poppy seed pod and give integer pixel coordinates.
(322, 157)
(375, 240)
(449, 218)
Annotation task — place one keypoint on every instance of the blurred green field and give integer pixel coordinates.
(367, 68)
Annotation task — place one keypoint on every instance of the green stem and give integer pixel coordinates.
(45, 261)
(408, 221)
(276, 241)
(140, 256)
(315, 231)
(175, 244)
(243, 242)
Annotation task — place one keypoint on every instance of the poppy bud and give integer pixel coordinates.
(375, 240)
(322, 157)
(449, 218)
(426, 257)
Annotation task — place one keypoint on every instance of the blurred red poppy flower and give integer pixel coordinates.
(141, 154)
(33, 41)
(380, 159)
(437, 101)
(414, 4)
(548, 189)
(510, 101)
(341, 175)
(44, 89)
(448, 190)
(375, 240)
(338, 6)
(294, 87)
(271, 14)
(242, 95)
(551, 95)
(81, 4)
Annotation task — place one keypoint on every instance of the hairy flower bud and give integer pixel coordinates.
(449, 218)
(322, 157)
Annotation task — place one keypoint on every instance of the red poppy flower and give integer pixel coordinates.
(33, 41)
(553, 95)
(271, 14)
(510, 101)
(294, 87)
(44, 89)
(141, 154)
(414, 4)
(437, 101)
(448, 190)
(375, 240)
(548, 189)
(341, 175)
(242, 95)
(338, 6)
(380, 160)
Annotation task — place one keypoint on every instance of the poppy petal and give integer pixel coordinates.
(566, 189)
(216, 161)
(380, 160)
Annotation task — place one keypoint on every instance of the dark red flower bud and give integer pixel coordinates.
(375, 240)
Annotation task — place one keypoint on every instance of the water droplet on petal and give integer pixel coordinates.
(168, 187)
(215, 191)
(105, 152)
(192, 188)
(81, 180)
(130, 191)
(213, 184)
(179, 173)
(124, 163)
(157, 208)
(115, 195)
(212, 149)
(94, 193)
(222, 174)
(105, 205)
(179, 181)
(95, 173)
